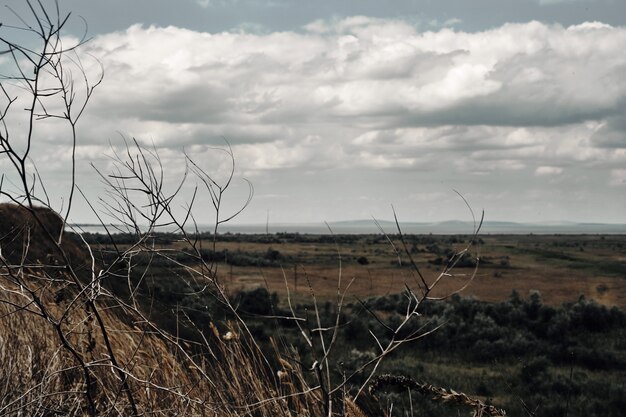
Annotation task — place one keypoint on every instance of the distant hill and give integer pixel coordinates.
(446, 227)
(368, 226)
(19, 231)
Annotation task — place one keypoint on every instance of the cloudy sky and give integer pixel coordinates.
(337, 109)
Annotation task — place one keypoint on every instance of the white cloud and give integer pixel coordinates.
(364, 68)
(548, 171)
(363, 95)
(618, 177)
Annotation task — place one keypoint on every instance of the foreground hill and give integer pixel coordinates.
(69, 347)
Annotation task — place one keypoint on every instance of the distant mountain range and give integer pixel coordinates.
(446, 227)
(456, 227)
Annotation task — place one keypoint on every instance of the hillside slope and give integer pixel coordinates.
(56, 342)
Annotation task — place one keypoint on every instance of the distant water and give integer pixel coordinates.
(370, 227)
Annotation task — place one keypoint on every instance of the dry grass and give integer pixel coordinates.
(55, 355)
(494, 283)
(40, 377)
(45, 378)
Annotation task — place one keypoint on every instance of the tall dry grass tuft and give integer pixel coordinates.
(43, 377)
(227, 375)
(40, 377)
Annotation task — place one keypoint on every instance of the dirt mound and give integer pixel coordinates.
(29, 237)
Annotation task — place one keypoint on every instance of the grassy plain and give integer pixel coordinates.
(560, 267)
(553, 354)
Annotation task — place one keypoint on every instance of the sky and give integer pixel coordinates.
(337, 110)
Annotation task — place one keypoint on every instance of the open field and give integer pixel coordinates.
(560, 267)
(558, 353)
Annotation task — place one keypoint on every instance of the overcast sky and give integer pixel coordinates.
(336, 110)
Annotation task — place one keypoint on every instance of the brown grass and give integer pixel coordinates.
(558, 282)
(42, 375)
(39, 377)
